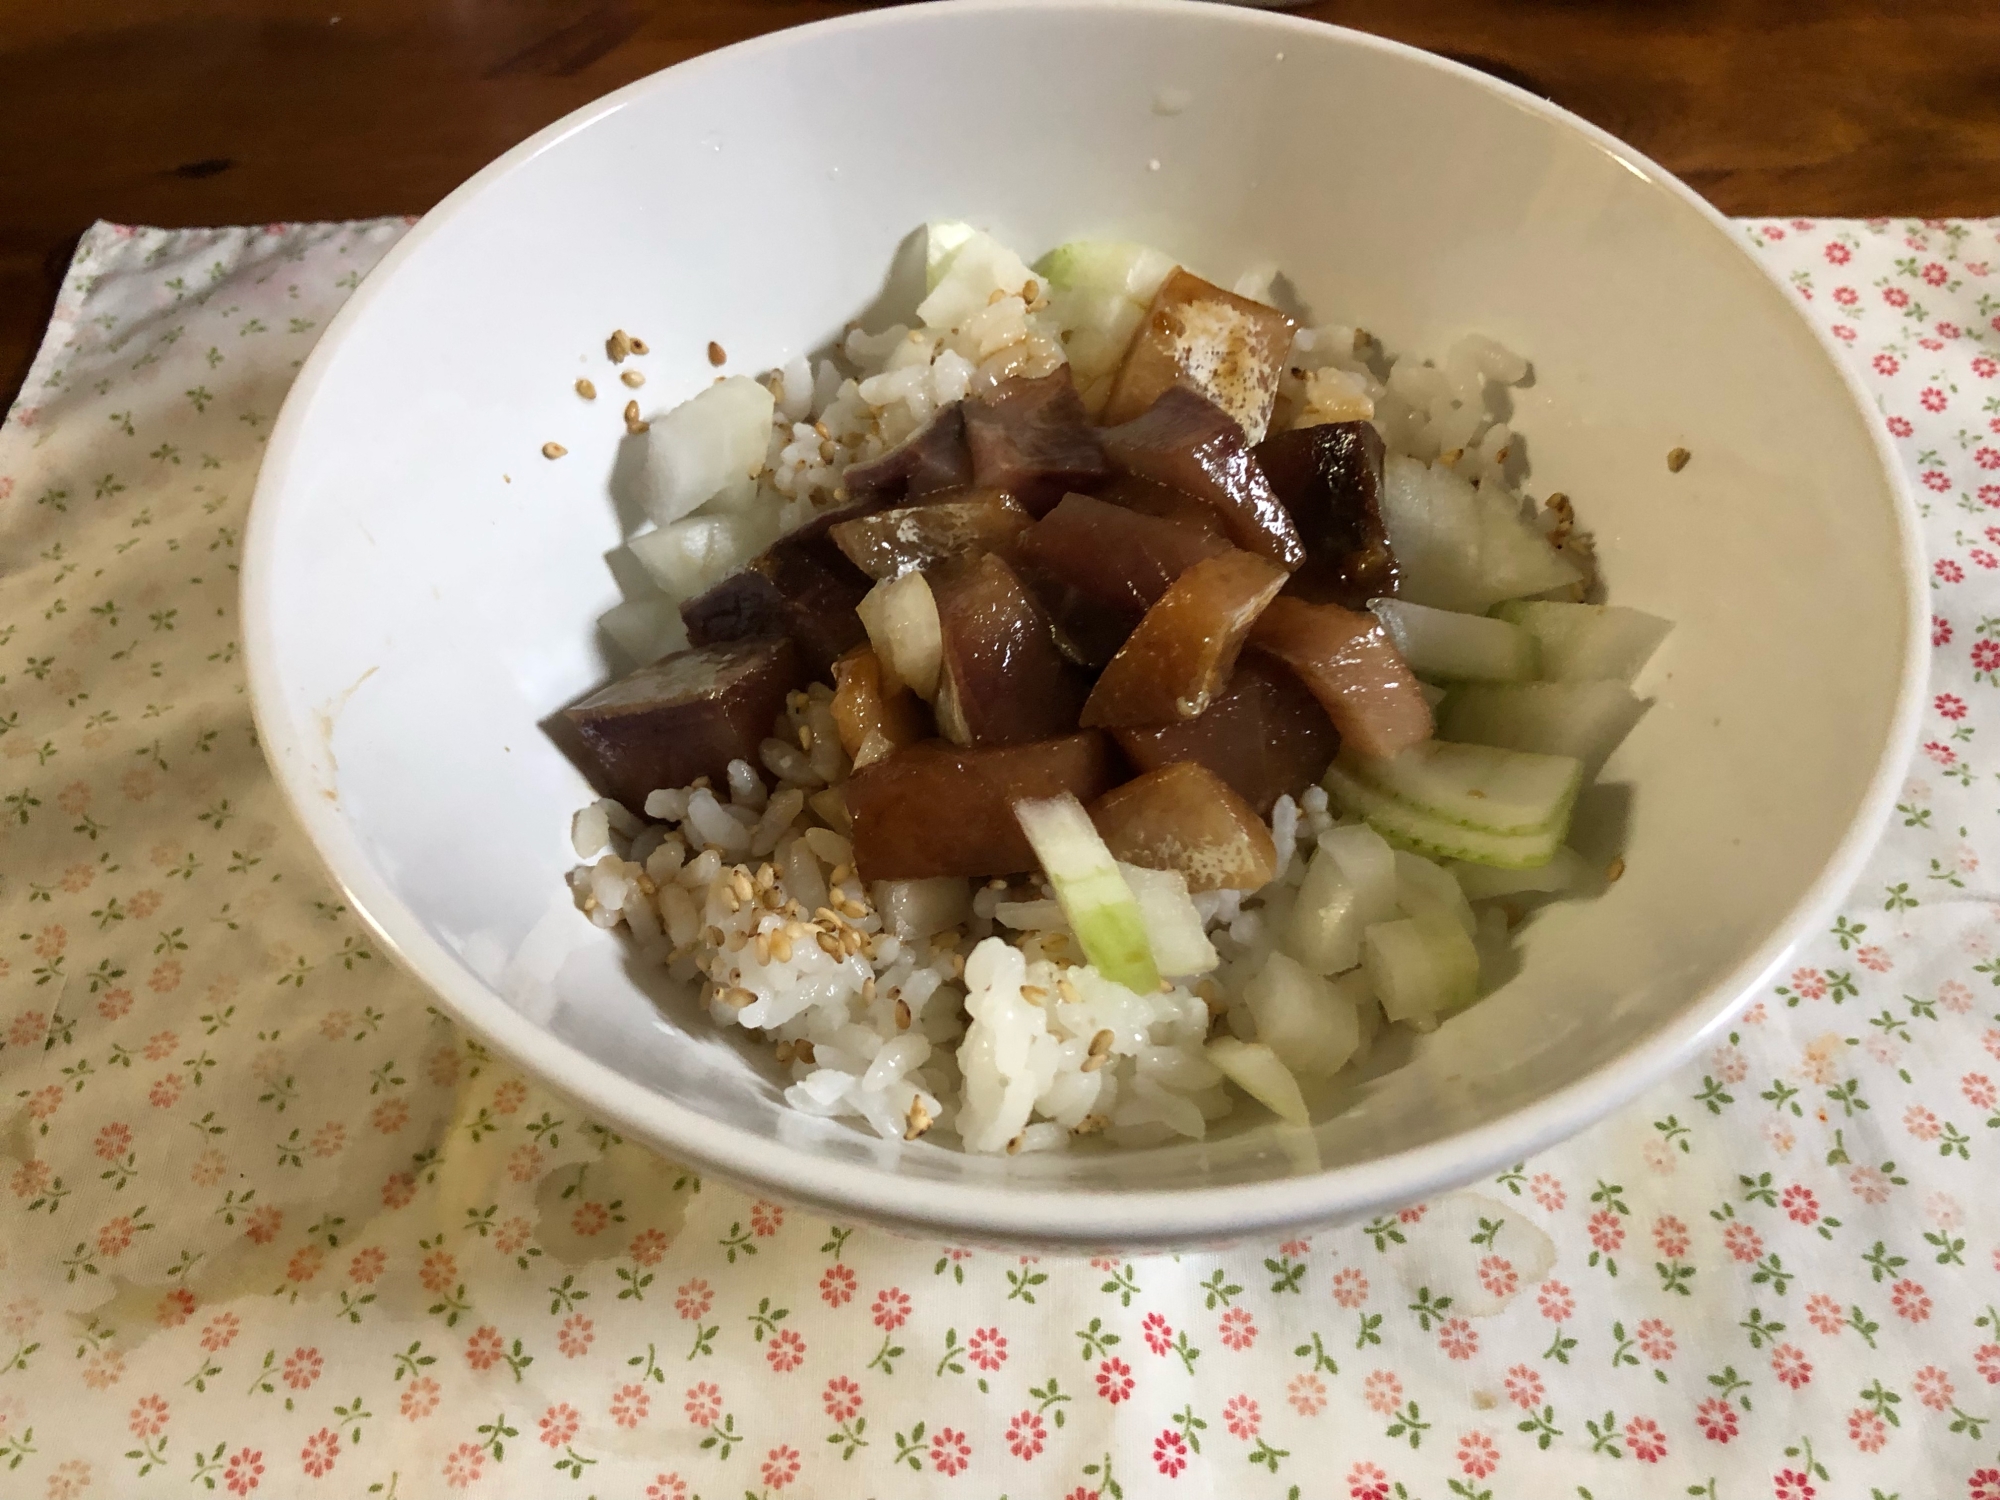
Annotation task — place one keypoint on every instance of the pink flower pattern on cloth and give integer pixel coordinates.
(271, 1225)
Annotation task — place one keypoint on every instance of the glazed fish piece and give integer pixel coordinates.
(890, 542)
(931, 459)
(1346, 659)
(1187, 442)
(1184, 817)
(1197, 336)
(1033, 439)
(687, 715)
(1119, 557)
(1001, 679)
(938, 809)
(1265, 735)
(1185, 647)
(800, 587)
(1329, 478)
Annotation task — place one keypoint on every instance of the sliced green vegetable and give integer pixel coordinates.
(1566, 874)
(1425, 889)
(1131, 271)
(1582, 719)
(1173, 926)
(1481, 786)
(1587, 642)
(1313, 1028)
(1421, 968)
(1440, 838)
(1446, 646)
(1349, 885)
(1256, 1070)
(941, 242)
(1102, 911)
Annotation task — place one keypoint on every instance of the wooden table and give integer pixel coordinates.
(249, 111)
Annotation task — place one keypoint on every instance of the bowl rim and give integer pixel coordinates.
(1027, 1212)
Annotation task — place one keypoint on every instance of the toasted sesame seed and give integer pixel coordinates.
(1068, 991)
(868, 988)
(784, 1052)
(840, 874)
(830, 946)
(761, 945)
(736, 997)
(1615, 869)
(1678, 460)
(1034, 994)
(1031, 290)
(638, 344)
(1093, 1062)
(997, 295)
(1090, 1124)
(902, 1015)
(633, 425)
(919, 1119)
(804, 1052)
(553, 450)
(1014, 1146)
(781, 946)
(633, 378)
(767, 876)
(716, 353)
(586, 390)
(1101, 1043)
(714, 936)
(618, 345)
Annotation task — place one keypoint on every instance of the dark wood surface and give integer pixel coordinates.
(248, 111)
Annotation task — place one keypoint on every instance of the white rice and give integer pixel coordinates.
(952, 1010)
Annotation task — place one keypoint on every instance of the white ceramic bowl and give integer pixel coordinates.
(420, 583)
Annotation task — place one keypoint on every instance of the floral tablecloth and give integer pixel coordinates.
(270, 1224)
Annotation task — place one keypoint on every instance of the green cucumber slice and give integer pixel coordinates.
(1480, 786)
(1421, 968)
(1102, 911)
(1447, 646)
(1428, 834)
(1587, 642)
(1583, 719)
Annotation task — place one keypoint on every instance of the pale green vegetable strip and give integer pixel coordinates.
(1102, 911)
(1583, 719)
(1421, 968)
(1425, 889)
(1447, 646)
(1567, 874)
(1587, 642)
(1256, 1070)
(1173, 926)
(1313, 1028)
(1428, 834)
(1350, 883)
(1481, 786)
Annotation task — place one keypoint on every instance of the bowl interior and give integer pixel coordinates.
(423, 583)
